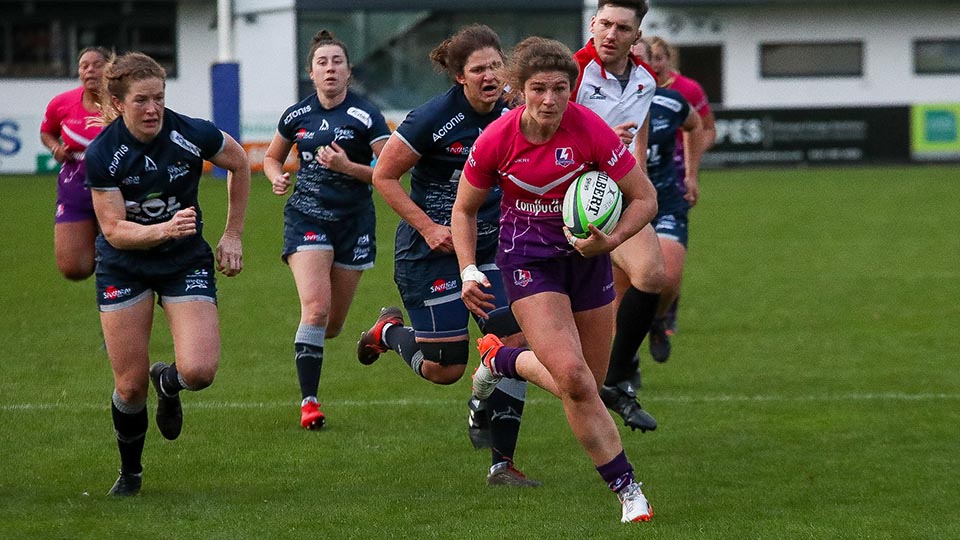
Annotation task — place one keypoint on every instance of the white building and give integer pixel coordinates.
(746, 53)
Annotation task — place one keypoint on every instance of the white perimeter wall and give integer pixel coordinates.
(887, 32)
(265, 45)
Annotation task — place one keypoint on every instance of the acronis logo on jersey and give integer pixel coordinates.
(115, 160)
(447, 127)
(564, 156)
(294, 114)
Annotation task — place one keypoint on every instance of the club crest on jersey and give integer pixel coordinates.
(639, 89)
(324, 125)
(343, 134)
(177, 170)
(522, 278)
(564, 156)
(149, 165)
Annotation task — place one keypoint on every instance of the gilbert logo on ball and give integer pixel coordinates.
(592, 198)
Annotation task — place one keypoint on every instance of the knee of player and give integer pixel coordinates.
(332, 329)
(577, 384)
(199, 377)
(316, 313)
(444, 374)
(651, 280)
(672, 278)
(444, 362)
(76, 272)
(132, 391)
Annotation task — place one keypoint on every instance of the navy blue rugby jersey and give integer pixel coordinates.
(158, 178)
(354, 125)
(668, 112)
(442, 132)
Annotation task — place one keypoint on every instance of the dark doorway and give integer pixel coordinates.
(704, 64)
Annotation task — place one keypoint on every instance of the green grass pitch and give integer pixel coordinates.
(813, 392)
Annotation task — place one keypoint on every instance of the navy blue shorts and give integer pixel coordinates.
(353, 241)
(431, 288)
(126, 277)
(672, 226)
(587, 282)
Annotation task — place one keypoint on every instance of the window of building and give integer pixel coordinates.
(936, 56)
(389, 49)
(43, 39)
(780, 60)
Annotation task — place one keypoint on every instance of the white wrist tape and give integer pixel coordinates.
(471, 273)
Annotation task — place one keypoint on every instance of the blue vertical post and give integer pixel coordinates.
(225, 91)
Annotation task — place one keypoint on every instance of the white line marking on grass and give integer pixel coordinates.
(221, 405)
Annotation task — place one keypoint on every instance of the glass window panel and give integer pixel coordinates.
(390, 50)
(811, 59)
(42, 39)
(940, 56)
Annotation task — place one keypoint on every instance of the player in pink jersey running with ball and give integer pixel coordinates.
(560, 288)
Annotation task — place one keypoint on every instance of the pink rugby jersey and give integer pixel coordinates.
(534, 177)
(67, 119)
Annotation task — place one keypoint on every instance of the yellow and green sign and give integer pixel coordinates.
(935, 131)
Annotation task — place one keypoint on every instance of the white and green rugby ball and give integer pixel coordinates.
(592, 198)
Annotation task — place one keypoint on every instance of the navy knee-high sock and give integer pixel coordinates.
(171, 382)
(505, 407)
(634, 317)
(402, 340)
(130, 424)
(308, 345)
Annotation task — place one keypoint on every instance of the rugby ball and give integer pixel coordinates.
(592, 198)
